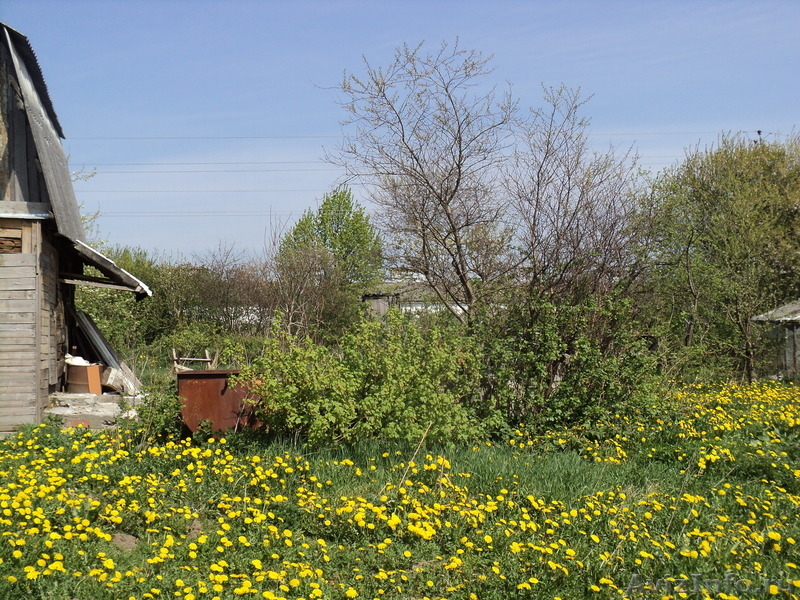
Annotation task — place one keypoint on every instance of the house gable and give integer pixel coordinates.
(43, 251)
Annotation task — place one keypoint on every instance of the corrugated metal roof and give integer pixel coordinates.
(25, 49)
(111, 270)
(46, 135)
(783, 314)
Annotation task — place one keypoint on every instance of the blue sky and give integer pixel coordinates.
(207, 121)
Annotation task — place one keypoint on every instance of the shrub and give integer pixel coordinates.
(388, 378)
(158, 415)
(561, 364)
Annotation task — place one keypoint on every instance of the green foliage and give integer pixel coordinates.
(193, 339)
(114, 312)
(553, 364)
(722, 241)
(389, 379)
(158, 415)
(97, 514)
(323, 265)
(194, 308)
(341, 227)
(413, 381)
(130, 324)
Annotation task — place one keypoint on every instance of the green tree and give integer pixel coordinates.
(723, 241)
(323, 265)
(341, 227)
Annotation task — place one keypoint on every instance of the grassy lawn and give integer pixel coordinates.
(705, 489)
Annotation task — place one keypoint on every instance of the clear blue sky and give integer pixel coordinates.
(206, 120)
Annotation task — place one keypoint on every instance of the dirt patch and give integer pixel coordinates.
(124, 541)
(195, 529)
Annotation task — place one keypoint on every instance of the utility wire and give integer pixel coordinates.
(101, 172)
(206, 137)
(190, 191)
(177, 164)
(322, 137)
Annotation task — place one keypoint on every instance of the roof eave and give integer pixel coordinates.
(111, 270)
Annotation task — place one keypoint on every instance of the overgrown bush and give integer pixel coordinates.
(388, 379)
(552, 365)
(158, 415)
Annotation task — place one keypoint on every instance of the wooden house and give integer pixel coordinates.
(43, 250)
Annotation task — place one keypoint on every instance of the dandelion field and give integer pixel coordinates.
(705, 488)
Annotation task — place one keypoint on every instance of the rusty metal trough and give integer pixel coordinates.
(209, 396)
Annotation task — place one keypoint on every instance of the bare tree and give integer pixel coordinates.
(575, 206)
(426, 137)
(233, 290)
(474, 197)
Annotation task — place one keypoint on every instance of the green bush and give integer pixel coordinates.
(158, 415)
(388, 379)
(552, 365)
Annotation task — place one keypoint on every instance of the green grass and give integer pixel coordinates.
(708, 487)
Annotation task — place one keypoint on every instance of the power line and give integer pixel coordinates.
(205, 213)
(640, 133)
(190, 191)
(315, 137)
(177, 164)
(218, 171)
(306, 170)
(184, 214)
(206, 137)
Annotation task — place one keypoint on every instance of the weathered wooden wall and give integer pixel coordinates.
(790, 354)
(31, 314)
(20, 179)
(52, 323)
(20, 398)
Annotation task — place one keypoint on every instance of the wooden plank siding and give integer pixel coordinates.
(52, 320)
(22, 203)
(20, 394)
(12, 420)
(41, 233)
(25, 294)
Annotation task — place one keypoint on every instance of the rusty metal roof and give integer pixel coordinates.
(783, 314)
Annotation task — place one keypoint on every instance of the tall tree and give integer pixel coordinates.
(342, 227)
(324, 263)
(426, 137)
(475, 196)
(574, 205)
(724, 243)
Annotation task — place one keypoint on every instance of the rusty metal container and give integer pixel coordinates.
(208, 395)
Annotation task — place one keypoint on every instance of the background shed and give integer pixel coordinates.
(786, 319)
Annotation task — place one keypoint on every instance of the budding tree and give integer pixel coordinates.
(476, 196)
(426, 136)
(574, 205)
